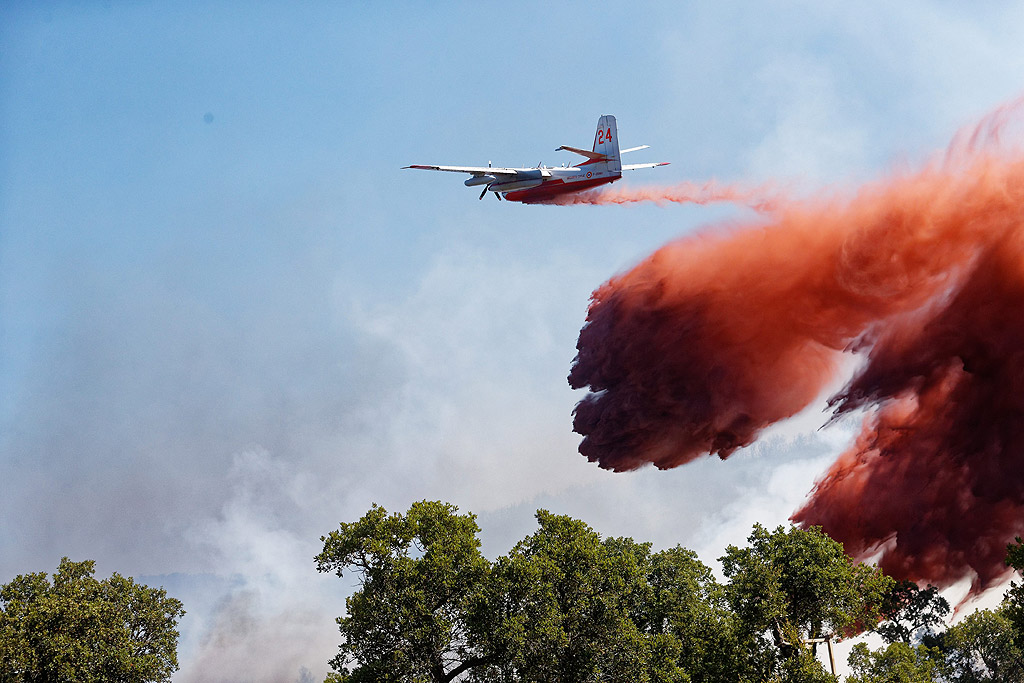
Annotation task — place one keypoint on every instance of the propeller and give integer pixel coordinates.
(488, 187)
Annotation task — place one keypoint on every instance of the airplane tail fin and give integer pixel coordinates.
(604, 159)
(606, 142)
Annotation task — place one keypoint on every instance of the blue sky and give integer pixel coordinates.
(228, 320)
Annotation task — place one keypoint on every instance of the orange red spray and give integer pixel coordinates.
(712, 339)
(683, 193)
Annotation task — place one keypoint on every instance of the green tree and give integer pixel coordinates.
(989, 644)
(983, 648)
(798, 586)
(578, 606)
(421, 612)
(685, 601)
(899, 662)
(911, 613)
(1015, 555)
(1013, 602)
(80, 629)
(566, 605)
(801, 666)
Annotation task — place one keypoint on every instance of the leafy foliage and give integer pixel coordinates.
(685, 601)
(1013, 605)
(986, 646)
(983, 647)
(576, 602)
(801, 666)
(797, 586)
(82, 629)
(900, 662)
(418, 615)
(911, 612)
(567, 605)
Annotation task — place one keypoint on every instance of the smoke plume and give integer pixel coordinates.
(711, 339)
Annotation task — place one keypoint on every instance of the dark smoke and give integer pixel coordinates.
(710, 340)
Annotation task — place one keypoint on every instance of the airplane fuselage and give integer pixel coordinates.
(541, 184)
(559, 184)
(532, 185)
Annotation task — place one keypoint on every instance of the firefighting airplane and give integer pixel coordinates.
(533, 185)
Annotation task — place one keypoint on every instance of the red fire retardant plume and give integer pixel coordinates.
(683, 193)
(710, 340)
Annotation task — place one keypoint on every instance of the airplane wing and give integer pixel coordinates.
(633, 167)
(475, 170)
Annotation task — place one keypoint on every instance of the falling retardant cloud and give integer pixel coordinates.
(682, 193)
(711, 339)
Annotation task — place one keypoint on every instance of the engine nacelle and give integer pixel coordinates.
(480, 180)
(516, 185)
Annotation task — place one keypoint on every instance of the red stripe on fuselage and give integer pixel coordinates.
(553, 188)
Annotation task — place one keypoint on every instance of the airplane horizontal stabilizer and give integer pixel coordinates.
(595, 156)
(633, 167)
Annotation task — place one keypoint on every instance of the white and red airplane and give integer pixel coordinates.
(532, 185)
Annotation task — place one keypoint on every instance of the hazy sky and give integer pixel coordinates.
(228, 320)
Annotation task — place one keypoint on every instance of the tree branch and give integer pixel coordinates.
(468, 664)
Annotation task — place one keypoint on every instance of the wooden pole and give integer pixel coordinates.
(831, 656)
(828, 641)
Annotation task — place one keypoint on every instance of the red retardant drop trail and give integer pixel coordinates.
(712, 339)
(683, 193)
